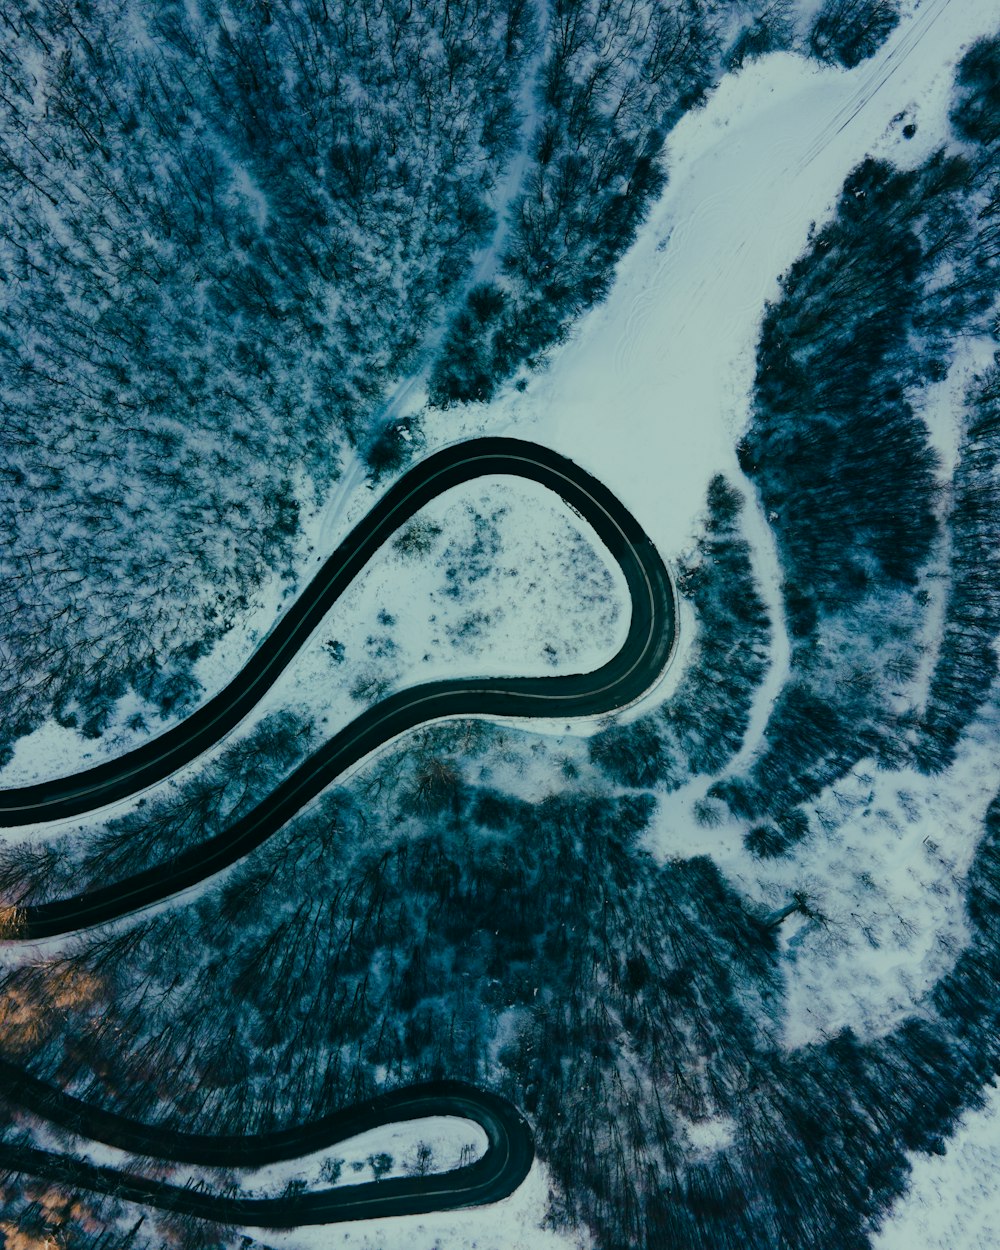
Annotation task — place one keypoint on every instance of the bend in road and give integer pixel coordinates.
(627, 675)
(617, 682)
(495, 1175)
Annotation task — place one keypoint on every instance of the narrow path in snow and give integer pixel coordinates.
(767, 574)
(873, 75)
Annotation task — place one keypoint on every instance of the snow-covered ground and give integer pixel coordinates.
(884, 865)
(415, 1147)
(650, 394)
(514, 1224)
(511, 582)
(652, 390)
(952, 1201)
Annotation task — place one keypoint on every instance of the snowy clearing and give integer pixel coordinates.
(884, 864)
(495, 578)
(514, 1224)
(416, 1147)
(954, 1198)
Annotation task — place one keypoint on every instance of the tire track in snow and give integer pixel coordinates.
(895, 55)
(713, 211)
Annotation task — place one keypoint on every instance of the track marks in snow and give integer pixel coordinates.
(897, 51)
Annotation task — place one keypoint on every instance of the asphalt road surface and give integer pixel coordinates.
(625, 677)
(494, 1175)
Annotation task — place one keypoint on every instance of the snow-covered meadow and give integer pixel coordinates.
(952, 1200)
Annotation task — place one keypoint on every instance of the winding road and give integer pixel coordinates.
(494, 1175)
(622, 679)
(625, 677)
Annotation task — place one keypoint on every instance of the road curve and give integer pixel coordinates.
(628, 675)
(640, 660)
(625, 677)
(495, 1175)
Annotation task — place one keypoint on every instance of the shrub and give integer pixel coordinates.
(975, 113)
(631, 755)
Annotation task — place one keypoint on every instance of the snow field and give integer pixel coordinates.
(884, 865)
(450, 1142)
(512, 582)
(513, 1224)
